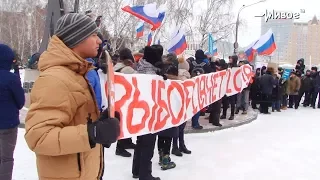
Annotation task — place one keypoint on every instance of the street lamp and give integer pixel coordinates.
(236, 45)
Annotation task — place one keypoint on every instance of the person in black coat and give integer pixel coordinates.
(215, 108)
(255, 90)
(300, 66)
(231, 100)
(165, 137)
(143, 153)
(315, 85)
(276, 94)
(306, 88)
(267, 83)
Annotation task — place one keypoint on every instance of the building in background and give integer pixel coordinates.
(281, 29)
(305, 42)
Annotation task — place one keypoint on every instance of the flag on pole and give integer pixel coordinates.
(140, 29)
(178, 43)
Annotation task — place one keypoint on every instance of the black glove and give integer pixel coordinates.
(116, 115)
(104, 131)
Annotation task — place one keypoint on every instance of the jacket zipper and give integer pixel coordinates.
(79, 161)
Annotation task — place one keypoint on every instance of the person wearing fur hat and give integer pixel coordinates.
(11, 101)
(177, 150)
(293, 90)
(64, 115)
(151, 63)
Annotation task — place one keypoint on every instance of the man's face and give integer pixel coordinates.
(89, 47)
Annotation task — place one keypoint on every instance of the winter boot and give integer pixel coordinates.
(176, 151)
(122, 152)
(160, 157)
(231, 118)
(166, 163)
(131, 146)
(184, 149)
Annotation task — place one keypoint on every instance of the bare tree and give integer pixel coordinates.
(215, 19)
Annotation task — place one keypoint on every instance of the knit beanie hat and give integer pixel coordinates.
(125, 54)
(183, 64)
(6, 57)
(73, 28)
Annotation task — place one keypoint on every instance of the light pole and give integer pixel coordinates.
(236, 45)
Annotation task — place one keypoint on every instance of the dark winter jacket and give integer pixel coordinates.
(267, 82)
(316, 78)
(11, 92)
(306, 83)
(200, 62)
(94, 81)
(174, 131)
(276, 91)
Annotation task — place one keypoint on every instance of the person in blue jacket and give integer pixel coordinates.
(94, 81)
(11, 101)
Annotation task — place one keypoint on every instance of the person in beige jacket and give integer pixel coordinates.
(293, 90)
(177, 150)
(63, 126)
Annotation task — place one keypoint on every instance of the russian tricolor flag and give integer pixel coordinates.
(148, 13)
(149, 39)
(140, 29)
(250, 51)
(178, 43)
(265, 45)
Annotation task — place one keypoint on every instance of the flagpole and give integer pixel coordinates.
(158, 30)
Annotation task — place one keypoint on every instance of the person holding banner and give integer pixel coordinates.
(64, 126)
(215, 108)
(151, 63)
(124, 65)
(184, 74)
(165, 137)
(231, 100)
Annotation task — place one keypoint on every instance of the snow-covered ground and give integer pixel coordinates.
(281, 146)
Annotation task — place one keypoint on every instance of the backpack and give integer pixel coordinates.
(197, 68)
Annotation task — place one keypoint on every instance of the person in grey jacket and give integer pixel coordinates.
(151, 63)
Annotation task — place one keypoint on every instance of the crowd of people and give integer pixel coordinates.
(271, 89)
(68, 125)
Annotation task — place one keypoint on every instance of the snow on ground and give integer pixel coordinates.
(281, 146)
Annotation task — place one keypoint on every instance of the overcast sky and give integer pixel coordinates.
(252, 30)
